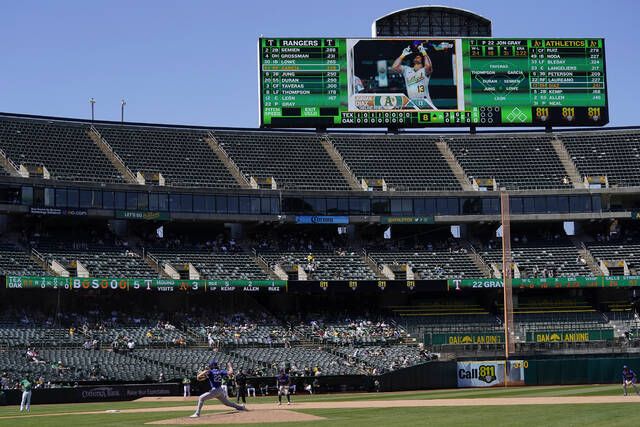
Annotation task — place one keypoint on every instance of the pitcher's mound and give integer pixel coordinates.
(245, 417)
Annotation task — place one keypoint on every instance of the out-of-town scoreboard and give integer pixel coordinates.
(439, 82)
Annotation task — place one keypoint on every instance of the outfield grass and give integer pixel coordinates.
(611, 414)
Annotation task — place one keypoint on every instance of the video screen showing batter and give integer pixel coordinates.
(411, 74)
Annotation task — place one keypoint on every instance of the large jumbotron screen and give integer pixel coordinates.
(338, 82)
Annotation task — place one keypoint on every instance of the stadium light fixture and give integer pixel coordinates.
(93, 103)
(122, 104)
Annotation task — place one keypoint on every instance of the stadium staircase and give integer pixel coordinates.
(373, 265)
(264, 265)
(233, 168)
(40, 260)
(567, 163)
(586, 255)
(340, 163)
(9, 165)
(153, 262)
(344, 355)
(113, 157)
(451, 160)
(479, 262)
(194, 336)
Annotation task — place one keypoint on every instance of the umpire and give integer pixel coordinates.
(241, 386)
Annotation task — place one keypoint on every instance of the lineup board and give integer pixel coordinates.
(431, 82)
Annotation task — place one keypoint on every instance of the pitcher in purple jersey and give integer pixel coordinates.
(215, 375)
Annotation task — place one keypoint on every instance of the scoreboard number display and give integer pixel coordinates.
(431, 82)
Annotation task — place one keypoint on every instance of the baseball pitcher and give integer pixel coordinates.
(215, 375)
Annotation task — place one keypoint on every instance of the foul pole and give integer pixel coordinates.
(507, 274)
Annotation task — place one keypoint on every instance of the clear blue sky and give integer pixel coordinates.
(194, 62)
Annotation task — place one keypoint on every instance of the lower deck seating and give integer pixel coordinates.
(298, 358)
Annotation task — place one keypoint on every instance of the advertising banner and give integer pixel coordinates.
(547, 282)
(125, 284)
(307, 219)
(464, 338)
(570, 336)
(491, 373)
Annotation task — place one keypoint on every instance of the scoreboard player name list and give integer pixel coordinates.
(541, 73)
(300, 74)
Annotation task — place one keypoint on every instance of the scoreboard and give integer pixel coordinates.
(432, 82)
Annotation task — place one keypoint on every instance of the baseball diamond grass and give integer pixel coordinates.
(609, 414)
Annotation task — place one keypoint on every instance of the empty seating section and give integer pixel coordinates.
(296, 161)
(76, 365)
(14, 336)
(630, 252)
(16, 365)
(102, 261)
(542, 260)
(432, 265)
(242, 335)
(348, 332)
(324, 266)
(560, 319)
(182, 156)
(107, 365)
(517, 162)
(299, 358)
(556, 315)
(445, 316)
(418, 321)
(613, 154)
(141, 336)
(64, 148)
(622, 316)
(17, 262)
(389, 358)
(406, 163)
(214, 266)
(194, 359)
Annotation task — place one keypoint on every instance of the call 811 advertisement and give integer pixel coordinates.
(491, 373)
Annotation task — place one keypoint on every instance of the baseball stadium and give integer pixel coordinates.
(369, 254)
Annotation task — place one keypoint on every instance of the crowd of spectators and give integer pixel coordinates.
(227, 328)
(385, 359)
(220, 243)
(299, 242)
(356, 331)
